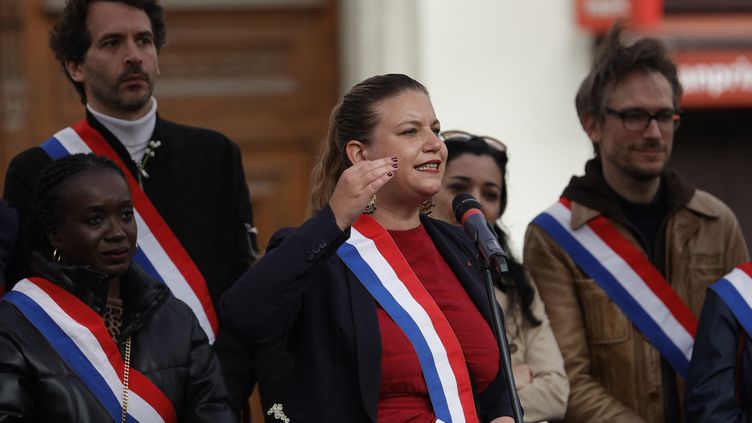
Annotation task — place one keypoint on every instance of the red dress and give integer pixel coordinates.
(403, 395)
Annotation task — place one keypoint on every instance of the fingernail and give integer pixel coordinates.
(394, 159)
(394, 165)
(390, 174)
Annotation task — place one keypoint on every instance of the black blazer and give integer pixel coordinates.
(719, 387)
(302, 290)
(197, 183)
(8, 234)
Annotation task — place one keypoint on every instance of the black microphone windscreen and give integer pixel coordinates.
(462, 203)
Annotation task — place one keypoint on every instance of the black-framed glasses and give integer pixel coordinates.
(457, 135)
(639, 119)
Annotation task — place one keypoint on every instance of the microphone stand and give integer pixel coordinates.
(501, 339)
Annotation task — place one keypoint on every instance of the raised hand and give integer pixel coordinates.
(356, 186)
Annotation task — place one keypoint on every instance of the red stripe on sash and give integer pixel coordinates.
(87, 317)
(147, 389)
(167, 239)
(370, 228)
(746, 268)
(637, 260)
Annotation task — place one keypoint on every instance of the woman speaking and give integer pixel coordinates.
(383, 308)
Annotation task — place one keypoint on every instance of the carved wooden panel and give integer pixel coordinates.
(266, 68)
(276, 177)
(13, 101)
(267, 79)
(263, 74)
(12, 82)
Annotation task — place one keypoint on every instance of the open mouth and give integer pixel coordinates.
(431, 166)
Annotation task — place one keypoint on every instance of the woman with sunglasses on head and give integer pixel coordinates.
(477, 165)
(383, 308)
(92, 338)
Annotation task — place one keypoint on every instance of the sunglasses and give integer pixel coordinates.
(455, 135)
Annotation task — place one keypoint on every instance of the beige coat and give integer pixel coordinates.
(545, 398)
(615, 374)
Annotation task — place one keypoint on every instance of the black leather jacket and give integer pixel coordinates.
(168, 347)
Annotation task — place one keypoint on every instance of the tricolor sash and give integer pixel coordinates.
(735, 289)
(159, 252)
(79, 337)
(629, 279)
(372, 255)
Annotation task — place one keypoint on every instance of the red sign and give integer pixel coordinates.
(599, 15)
(715, 78)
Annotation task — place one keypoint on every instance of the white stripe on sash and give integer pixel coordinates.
(619, 277)
(170, 274)
(147, 242)
(371, 254)
(735, 289)
(742, 282)
(72, 142)
(90, 347)
(396, 288)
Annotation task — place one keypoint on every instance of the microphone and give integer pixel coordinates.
(467, 211)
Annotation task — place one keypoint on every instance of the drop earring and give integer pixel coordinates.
(371, 206)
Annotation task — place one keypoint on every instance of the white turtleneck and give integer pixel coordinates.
(133, 134)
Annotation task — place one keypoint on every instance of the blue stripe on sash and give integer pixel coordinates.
(68, 351)
(735, 303)
(350, 255)
(628, 305)
(146, 265)
(54, 148)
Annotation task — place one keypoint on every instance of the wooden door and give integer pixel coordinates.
(265, 77)
(263, 72)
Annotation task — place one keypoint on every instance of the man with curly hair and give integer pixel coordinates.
(194, 210)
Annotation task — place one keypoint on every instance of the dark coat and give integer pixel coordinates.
(712, 386)
(302, 290)
(197, 183)
(168, 347)
(8, 234)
